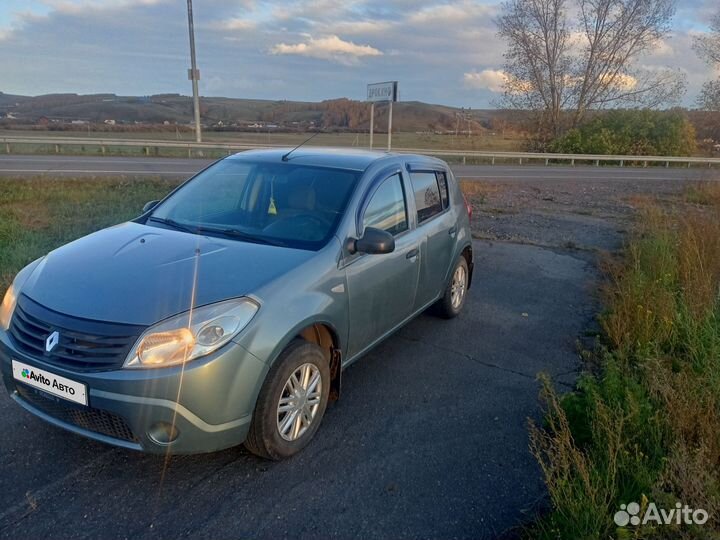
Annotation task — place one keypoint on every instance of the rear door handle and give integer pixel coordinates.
(452, 231)
(412, 254)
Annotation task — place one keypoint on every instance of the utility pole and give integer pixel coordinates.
(194, 74)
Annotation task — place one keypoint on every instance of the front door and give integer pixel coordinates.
(381, 288)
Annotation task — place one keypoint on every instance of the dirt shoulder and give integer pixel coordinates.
(563, 214)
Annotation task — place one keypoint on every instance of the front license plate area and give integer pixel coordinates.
(50, 383)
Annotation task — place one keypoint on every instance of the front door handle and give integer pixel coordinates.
(412, 254)
(452, 231)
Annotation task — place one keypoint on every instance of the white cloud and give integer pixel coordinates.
(662, 49)
(487, 79)
(74, 7)
(327, 48)
(361, 27)
(449, 13)
(235, 23)
(622, 81)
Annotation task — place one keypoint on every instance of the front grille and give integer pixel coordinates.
(95, 420)
(83, 345)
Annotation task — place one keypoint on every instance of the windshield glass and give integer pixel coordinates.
(275, 203)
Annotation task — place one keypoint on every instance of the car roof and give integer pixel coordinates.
(337, 158)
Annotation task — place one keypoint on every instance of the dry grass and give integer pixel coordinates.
(646, 426)
(479, 192)
(691, 472)
(704, 193)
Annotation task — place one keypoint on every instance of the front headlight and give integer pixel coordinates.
(7, 308)
(192, 334)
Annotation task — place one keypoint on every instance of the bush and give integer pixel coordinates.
(631, 132)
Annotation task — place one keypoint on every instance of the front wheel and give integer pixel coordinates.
(291, 403)
(453, 300)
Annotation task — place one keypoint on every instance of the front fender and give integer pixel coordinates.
(317, 294)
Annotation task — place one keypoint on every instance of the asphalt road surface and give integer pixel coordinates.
(429, 439)
(19, 165)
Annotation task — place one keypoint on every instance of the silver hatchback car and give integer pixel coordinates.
(226, 312)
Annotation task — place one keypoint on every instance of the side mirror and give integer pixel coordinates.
(149, 206)
(374, 242)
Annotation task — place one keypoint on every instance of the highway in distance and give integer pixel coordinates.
(30, 165)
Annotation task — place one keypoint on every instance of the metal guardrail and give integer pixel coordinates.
(520, 157)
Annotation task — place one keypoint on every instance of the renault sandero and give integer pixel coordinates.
(226, 312)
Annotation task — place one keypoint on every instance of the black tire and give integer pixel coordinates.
(444, 307)
(264, 438)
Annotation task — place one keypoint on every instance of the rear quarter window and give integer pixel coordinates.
(443, 185)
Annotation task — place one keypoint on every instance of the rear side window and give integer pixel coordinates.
(387, 210)
(427, 195)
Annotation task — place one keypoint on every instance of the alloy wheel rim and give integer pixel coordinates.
(457, 289)
(299, 402)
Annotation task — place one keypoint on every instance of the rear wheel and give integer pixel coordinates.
(291, 403)
(453, 300)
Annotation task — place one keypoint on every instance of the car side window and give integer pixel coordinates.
(427, 195)
(387, 209)
(442, 182)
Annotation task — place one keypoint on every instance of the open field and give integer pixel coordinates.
(395, 447)
(22, 166)
(38, 215)
(360, 140)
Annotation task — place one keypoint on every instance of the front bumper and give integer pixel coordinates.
(209, 402)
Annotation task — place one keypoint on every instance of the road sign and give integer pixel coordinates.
(383, 91)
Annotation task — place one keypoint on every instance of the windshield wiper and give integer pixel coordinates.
(230, 233)
(241, 235)
(174, 224)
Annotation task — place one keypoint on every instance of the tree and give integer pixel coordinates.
(632, 133)
(562, 69)
(708, 48)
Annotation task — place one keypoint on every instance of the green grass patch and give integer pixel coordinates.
(646, 426)
(40, 214)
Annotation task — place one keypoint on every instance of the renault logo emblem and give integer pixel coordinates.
(52, 341)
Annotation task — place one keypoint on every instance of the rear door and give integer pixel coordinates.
(437, 227)
(381, 288)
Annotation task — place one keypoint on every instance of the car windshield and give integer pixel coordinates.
(273, 203)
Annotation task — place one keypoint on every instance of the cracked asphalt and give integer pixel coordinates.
(429, 439)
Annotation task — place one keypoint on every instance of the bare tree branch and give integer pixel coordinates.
(555, 67)
(708, 48)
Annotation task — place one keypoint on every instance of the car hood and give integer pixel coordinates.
(138, 274)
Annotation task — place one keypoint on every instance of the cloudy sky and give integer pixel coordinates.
(441, 52)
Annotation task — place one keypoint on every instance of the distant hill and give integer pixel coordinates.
(336, 114)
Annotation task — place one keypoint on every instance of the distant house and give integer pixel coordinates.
(43, 121)
(110, 122)
(79, 122)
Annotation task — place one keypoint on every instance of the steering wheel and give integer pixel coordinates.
(301, 224)
(303, 219)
